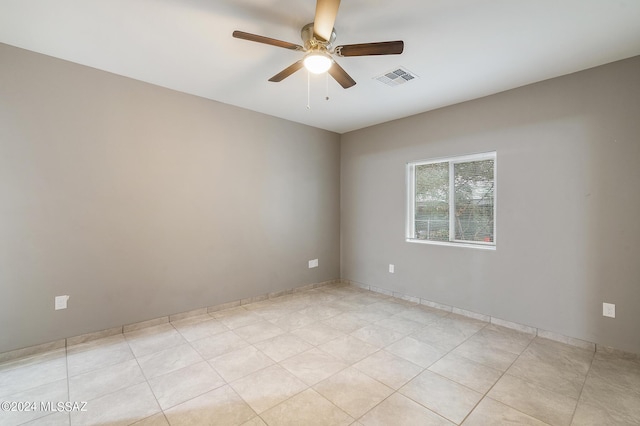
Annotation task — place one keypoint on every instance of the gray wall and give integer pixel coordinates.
(568, 215)
(140, 202)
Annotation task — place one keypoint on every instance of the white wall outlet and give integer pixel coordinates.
(392, 268)
(313, 263)
(61, 302)
(609, 310)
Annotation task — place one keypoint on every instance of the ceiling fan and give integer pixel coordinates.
(318, 38)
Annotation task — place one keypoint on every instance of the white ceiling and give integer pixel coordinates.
(460, 49)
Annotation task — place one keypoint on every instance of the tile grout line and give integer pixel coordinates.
(586, 377)
(66, 360)
(535, 335)
(311, 387)
(496, 382)
(445, 354)
(146, 380)
(423, 369)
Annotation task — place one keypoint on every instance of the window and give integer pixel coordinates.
(452, 201)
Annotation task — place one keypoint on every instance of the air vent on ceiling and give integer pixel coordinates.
(396, 77)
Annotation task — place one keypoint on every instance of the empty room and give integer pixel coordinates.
(316, 212)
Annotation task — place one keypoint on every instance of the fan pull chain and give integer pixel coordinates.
(308, 90)
(327, 85)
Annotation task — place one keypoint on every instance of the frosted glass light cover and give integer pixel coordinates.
(317, 63)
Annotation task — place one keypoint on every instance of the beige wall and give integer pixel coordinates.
(568, 215)
(139, 202)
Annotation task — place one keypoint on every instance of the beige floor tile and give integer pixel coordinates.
(52, 392)
(320, 312)
(292, 321)
(307, 408)
(548, 375)
(493, 413)
(214, 346)
(123, 407)
(618, 373)
(503, 338)
(96, 383)
(483, 353)
(415, 351)
(32, 359)
(181, 385)
(317, 334)
(369, 314)
(400, 324)
(448, 332)
(153, 339)
(345, 304)
(56, 419)
(391, 306)
(346, 322)
(313, 366)
(597, 415)
(543, 404)
(282, 347)
(198, 328)
(466, 372)
(377, 336)
(268, 387)
(256, 421)
(353, 391)
(221, 406)
(271, 310)
(168, 360)
(239, 363)
(237, 317)
(155, 420)
(321, 296)
(365, 298)
(26, 375)
(398, 410)
(554, 366)
(422, 314)
(258, 331)
(97, 354)
(572, 357)
(443, 396)
(611, 394)
(388, 368)
(296, 301)
(348, 348)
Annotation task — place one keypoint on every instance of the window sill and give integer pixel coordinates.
(452, 244)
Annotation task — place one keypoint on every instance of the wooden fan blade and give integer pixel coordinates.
(326, 12)
(367, 49)
(287, 71)
(266, 40)
(341, 76)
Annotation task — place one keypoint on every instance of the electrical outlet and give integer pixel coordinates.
(609, 310)
(313, 263)
(61, 302)
(392, 268)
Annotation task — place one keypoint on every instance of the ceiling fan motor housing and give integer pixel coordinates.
(311, 42)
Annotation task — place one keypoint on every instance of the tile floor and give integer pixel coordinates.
(335, 355)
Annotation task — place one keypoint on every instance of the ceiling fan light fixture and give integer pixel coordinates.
(317, 62)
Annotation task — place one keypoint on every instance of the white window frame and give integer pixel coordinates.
(411, 202)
